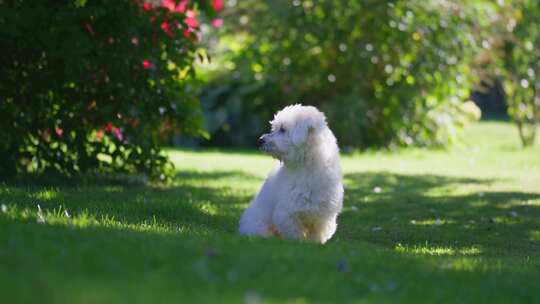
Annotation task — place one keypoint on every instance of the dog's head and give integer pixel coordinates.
(294, 129)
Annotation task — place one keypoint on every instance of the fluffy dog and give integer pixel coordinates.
(303, 196)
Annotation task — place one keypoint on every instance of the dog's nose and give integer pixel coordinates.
(260, 141)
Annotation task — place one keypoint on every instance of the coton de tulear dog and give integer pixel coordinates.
(303, 196)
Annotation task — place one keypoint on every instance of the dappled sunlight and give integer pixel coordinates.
(534, 235)
(208, 208)
(471, 263)
(112, 189)
(385, 209)
(438, 250)
(432, 222)
(45, 195)
(479, 203)
(505, 219)
(519, 203)
(389, 182)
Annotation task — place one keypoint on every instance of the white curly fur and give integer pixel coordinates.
(303, 196)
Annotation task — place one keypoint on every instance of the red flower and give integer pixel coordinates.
(147, 6)
(147, 64)
(187, 33)
(89, 29)
(109, 127)
(181, 7)
(217, 23)
(217, 5)
(166, 28)
(59, 131)
(169, 4)
(191, 19)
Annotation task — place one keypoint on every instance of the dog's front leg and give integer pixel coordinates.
(320, 229)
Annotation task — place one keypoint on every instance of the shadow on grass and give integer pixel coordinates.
(186, 204)
(422, 213)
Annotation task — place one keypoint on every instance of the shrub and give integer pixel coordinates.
(92, 85)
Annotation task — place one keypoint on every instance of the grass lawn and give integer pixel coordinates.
(418, 226)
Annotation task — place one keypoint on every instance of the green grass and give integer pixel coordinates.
(418, 226)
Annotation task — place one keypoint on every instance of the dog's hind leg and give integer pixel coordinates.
(322, 229)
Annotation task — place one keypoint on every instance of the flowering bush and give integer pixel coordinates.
(95, 85)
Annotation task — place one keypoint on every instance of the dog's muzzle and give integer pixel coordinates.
(261, 141)
(264, 144)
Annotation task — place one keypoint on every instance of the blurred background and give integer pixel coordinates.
(83, 89)
(386, 73)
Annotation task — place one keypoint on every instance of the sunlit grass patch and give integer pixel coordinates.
(427, 249)
(472, 264)
(46, 194)
(208, 208)
(432, 222)
(534, 235)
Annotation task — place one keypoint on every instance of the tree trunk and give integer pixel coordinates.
(527, 135)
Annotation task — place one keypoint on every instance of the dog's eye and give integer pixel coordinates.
(282, 130)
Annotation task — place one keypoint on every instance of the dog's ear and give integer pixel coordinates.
(301, 132)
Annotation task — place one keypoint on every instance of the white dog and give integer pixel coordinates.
(303, 196)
